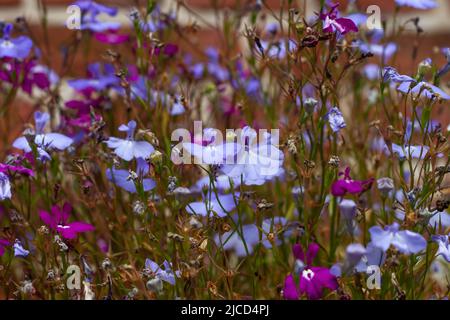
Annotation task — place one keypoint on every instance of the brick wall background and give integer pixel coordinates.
(436, 25)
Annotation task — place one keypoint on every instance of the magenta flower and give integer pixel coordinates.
(332, 23)
(111, 37)
(347, 185)
(312, 279)
(57, 220)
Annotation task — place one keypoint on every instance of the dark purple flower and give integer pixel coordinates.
(331, 22)
(57, 221)
(347, 185)
(312, 279)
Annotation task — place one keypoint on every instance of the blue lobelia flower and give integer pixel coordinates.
(91, 10)
(257, 160)
(166, 274)
(127, 180)
(374, 256)
(213, 204)
(335, 119)
(128, 148)
(5, 187)
(446, 68)
(18, 48)
(19, 250)
(444, 246)
(100, 78)
(44, 141)
(417, 4)
(405, 241)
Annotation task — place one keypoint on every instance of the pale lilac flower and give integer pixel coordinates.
(347, 208)
(257, 161)
(19, 250)
(336, 119)
(444, 246)
(417, 4)
(44, 141)
(90, 12)
(166, 274)
(373, 256)
(385, 185)
(222, 183)
(212, 204)
(17, 48)
(446, 68)
(405, 241)
(5, 187)
(128, 148)
(242, 243)
(353, 255)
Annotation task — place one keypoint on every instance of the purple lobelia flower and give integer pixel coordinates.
(111, 37)
(26, 74)
(3, 244)
(128, 148)
(17, 48)
(90, 12)
(417, 4)
(331, 22)
(57, 218)
(166, 274)
(127, 180)
(353, 255)
(44, 141)
(213, 204)
(100, 77)
(347, 185)
(222, 183)
(336, 119)
(444, 246)
(405, 241)
(424, 89)
(312, 279)
(5, 187)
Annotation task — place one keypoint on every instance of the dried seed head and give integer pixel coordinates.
(138, 207)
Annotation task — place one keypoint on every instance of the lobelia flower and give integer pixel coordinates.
(256, 161)
(100, 77)
(27, 75)
(385, 185)
(213, 204)
(90, 11)
(124, 179)
(335, 119)
(211, 151)
(128, 148)
(312, 279)
(222, 183)
(5, 187)
(445, 69)
(111, 37)
(353, 255)
(19, 250)
(44, 141)
(166, 274)
(242, 243)
(444, 246)
(405, 241)
(57, 218)
(346, 185)
(373, 256)
(17, 48)
(331, 22)
(417, 4)
(3, 244)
